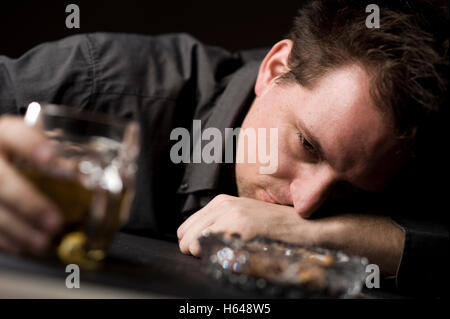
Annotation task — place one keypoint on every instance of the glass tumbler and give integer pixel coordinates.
(91, 179)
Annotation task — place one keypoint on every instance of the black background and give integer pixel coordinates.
(230, 24)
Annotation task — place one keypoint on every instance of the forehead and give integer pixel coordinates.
(355, 135)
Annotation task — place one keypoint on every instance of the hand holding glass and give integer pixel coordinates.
(91, 178)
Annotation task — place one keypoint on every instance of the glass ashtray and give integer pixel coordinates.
(276, 269)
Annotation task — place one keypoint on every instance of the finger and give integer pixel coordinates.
(7, 246)
(181, 231)
(36, 208)
(17, 138)
(22, 234)
(194, 245)
(213, 207)
(195, 230)
(195, 248)
(189, 243)
(199, 224)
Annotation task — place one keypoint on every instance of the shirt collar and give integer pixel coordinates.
(229, 108)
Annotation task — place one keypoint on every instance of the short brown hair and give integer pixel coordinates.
(407, 57)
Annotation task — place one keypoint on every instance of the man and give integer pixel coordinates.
(356, 111)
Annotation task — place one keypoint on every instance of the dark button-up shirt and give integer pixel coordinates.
(166, 82)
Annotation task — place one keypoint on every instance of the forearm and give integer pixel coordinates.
(372, 236)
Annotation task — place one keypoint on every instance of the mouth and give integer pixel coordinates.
(265, 196)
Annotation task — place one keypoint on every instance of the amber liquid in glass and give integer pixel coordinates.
(91, 215)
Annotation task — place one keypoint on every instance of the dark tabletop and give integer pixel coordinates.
(137, 267)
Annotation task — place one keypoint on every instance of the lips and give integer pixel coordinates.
(267, 198)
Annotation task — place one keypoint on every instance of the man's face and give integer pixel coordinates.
(329, 136)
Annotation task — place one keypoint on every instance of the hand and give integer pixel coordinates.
(247, 217)
(28, 220)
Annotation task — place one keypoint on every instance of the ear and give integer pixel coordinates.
(273, 65)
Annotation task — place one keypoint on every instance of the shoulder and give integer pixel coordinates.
(163, 47)
(156, 65)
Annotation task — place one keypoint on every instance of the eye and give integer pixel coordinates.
(307, 145)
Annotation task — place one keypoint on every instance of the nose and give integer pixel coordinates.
(309, 192)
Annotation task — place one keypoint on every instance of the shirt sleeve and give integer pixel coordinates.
(116, 73)
(419, 208)
(59, 72)
(424, 263)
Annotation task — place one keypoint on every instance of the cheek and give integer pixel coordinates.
(289, 155)
(246, 179)
(287, 164)
(246, 170)
(267, 113)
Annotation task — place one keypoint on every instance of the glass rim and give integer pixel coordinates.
(36, 109)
